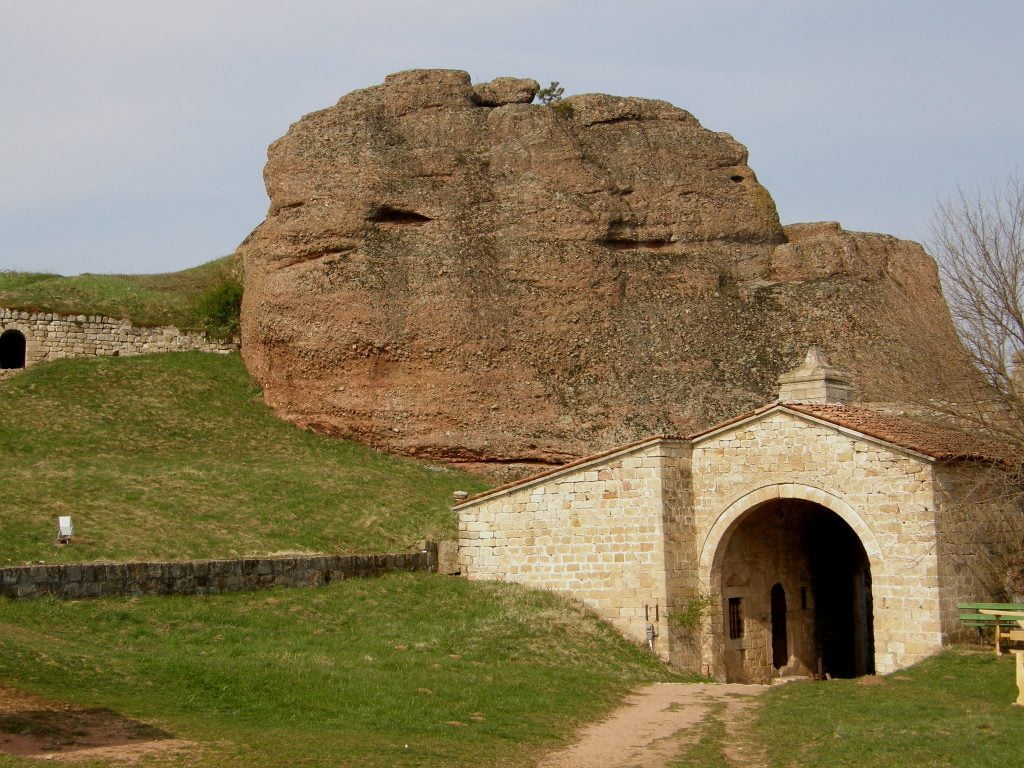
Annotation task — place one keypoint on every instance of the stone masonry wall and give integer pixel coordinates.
(978, 525)
(782, 456)
(50, 336)
(593, 532)
(201, 577)
(681, 583)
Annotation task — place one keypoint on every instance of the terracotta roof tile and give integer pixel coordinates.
(943, 443)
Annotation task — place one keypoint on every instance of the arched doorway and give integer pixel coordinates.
(796, 594)
(12, 349)
(780, 639)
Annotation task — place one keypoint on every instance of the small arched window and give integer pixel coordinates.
(12, 349)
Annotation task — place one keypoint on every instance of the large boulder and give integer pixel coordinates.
(449, 272)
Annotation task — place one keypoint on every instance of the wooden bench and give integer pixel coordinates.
(1007, 619)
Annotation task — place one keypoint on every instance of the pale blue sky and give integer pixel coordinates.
(134, 132)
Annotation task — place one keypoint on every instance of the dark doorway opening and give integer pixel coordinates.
(12, 349)
(780, 643)
(842, 598)
(784, 549)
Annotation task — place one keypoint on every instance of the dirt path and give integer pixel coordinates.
(31, 726)
(655, 724)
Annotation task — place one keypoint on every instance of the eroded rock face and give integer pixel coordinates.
(449, 272)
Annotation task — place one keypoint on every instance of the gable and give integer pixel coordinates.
(580, 468)
(785, 425)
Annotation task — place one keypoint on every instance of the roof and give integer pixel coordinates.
(570, 466)
(939, 442)
(932, 440)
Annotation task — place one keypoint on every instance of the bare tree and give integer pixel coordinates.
(977, 238)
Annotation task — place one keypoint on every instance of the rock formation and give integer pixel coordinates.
(450, 272)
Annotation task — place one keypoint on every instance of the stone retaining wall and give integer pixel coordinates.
(202, 577)
(50, 336)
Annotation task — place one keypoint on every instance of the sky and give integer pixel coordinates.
(133, 133)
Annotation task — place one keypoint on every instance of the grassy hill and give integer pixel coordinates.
(426, 670)
(173, 298)
(404, 670)
(175, 456)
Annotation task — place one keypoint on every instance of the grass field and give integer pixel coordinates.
(404, 670)
(952, 710)
(427, 670)
(174, 456)
(173, 298)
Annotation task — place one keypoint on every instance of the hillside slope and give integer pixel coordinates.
(172, 298)
(174, 455)
(408, 670)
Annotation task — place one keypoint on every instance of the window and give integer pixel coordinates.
(735, 618)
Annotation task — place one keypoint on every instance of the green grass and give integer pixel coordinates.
(173, 298)
(175, 456)
(954, 709)
(708, 751)
(405, 670)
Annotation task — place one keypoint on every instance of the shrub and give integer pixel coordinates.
(221, 308)
(688, 618)
(550, 95)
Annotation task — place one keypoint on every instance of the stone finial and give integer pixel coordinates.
(815, 381)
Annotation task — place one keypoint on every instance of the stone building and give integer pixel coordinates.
(818, 536)
(27, 338)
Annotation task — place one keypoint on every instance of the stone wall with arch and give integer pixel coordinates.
(888, 497)
(644, 533)
(788, 543)
(51, 336)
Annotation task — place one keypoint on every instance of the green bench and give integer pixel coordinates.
(1006, 619)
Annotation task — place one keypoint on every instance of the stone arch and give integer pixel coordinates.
(717, 535)
(846, 650)
(12, 349)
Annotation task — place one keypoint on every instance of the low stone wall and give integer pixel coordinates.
(201, 577)
(50, 336)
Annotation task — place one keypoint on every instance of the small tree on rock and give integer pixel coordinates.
(550, 95)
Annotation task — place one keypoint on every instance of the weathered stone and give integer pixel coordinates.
(448, 557)
(201, 576)
(505, 90)
(519, 285)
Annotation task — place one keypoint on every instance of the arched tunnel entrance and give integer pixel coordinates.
(12, 349)
(796, 595)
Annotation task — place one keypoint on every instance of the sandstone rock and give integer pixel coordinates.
(824, 249)
(506, 90)
(451, 273)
